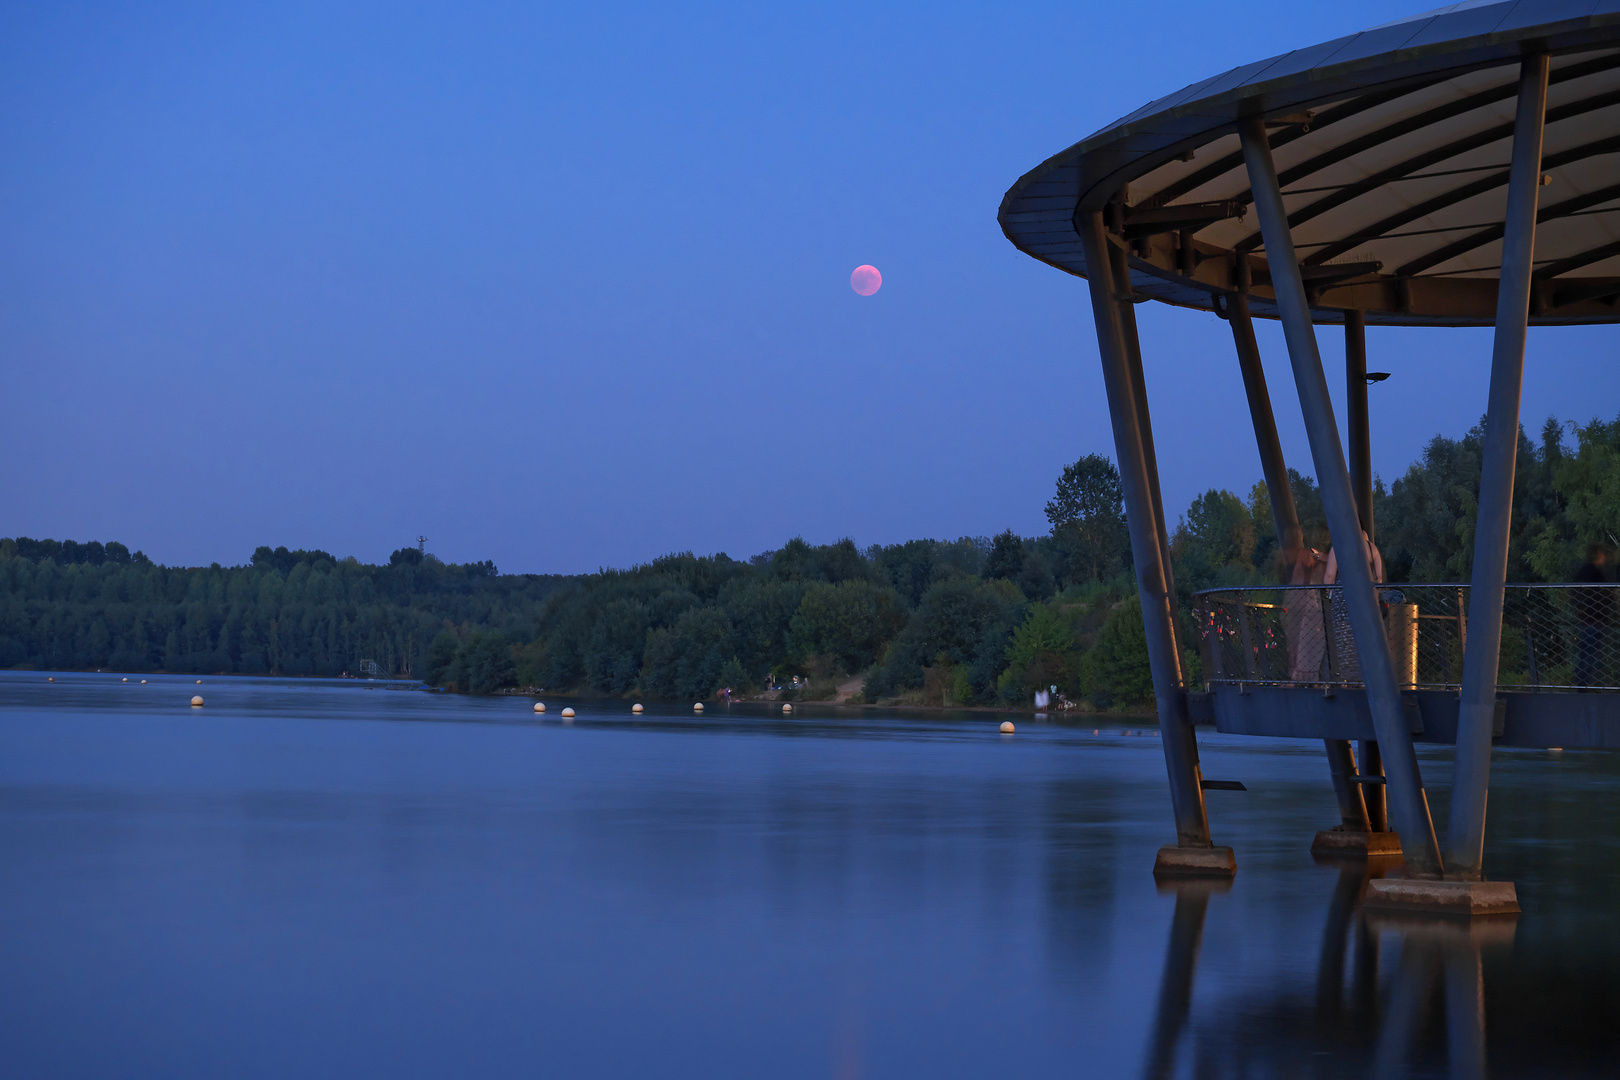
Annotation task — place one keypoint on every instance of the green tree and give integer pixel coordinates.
(441, 657)
(687, 660)
(1586, 507)
(1116, 670)
(1215, 542)
(1006, 558)
(484, 663)
(1425, 524)
(1043, 652)
(908, 567)
(962, 621)
(1087, 515)
(851, 621)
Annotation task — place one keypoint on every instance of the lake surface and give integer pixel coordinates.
(334, 879)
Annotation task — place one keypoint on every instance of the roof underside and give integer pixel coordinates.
(1392, 148)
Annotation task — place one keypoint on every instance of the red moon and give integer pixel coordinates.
(866, 280)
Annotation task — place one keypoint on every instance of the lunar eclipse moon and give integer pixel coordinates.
(866, 280)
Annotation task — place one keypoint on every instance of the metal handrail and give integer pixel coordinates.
(1554, 637)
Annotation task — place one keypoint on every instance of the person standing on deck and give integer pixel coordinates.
(1344, 642)
(1307, 639)
(1594, 612)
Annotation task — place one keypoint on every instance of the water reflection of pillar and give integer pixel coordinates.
(1345, 935)
(1465, 1012)
(1180, 965)
(1335, 934)
(1431, 946)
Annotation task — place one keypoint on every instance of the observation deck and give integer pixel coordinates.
(1452, 168)
(1282, 662)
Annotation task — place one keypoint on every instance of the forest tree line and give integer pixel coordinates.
(66, 605)
(990, 620)
(978, 620)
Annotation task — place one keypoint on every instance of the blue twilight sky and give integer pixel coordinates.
(566, 285)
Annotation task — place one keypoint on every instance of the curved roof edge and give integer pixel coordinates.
(1415, 52)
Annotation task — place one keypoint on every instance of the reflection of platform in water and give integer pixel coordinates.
(1357, 1020)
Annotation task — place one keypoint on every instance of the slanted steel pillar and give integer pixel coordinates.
(1372, 764)
(1342, 767)
(1408, 804)
(1285, 516)
(1355, 408)
(1477, 710)
(1359, 422)
(1133, 350)
(1152, 584)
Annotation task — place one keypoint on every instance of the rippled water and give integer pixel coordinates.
(336, 880)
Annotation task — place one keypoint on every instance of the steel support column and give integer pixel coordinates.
(1285, 516)
(1408, 804)
(1358, 419)
(1477, 709)
(1133, 350)
(1355, 409)
(1342, 767)
(1372, 764)
(1158, 605)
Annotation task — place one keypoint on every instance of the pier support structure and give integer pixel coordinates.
(1409, 808)
(1465, 839)
(1193, 852)
(1358, 419)
(1352, 835)
(1144, 421)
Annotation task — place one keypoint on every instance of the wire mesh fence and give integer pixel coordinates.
(1553, 636)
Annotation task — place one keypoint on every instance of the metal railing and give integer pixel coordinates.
(1553, 636)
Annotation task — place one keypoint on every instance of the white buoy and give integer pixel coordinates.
(697, 706)
(199, 682)
(787, 708)
(1007, 727)
(568, 714)
(636, 707)
(126, 678)
(143, 682)
(539, 706)
(50, 678)
(196, 701)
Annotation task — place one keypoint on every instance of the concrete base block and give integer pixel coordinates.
(1355, 842)
(1466, 898)
(1195, 861)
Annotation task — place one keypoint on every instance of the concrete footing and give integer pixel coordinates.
(1466, 898)
(1195, 861)
(1355, 842)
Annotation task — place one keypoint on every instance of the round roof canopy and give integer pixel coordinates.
(1392, 149)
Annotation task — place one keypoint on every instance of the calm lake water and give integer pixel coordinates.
(322, 879)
